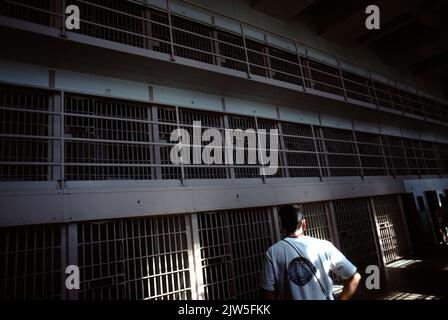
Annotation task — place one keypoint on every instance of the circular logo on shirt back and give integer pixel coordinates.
(301, 271)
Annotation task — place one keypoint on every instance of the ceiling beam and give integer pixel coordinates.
(430, 66)
(350, 26)
(284, 10)
(419, 51)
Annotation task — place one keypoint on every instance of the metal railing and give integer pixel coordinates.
(178, 34)
(54, 136)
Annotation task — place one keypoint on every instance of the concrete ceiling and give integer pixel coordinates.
(413, 33)
(281, 9)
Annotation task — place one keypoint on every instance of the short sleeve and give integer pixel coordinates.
(267, 277)
(339, 264)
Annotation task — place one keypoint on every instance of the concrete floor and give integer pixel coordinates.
(423, 276)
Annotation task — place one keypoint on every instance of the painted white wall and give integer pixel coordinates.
(120, 199)
(419, 186)
(23, 73)
(97, 85)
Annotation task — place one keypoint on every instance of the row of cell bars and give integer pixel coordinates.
(137, 25)
(43, 138)
(153, 257)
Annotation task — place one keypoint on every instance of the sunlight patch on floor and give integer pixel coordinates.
(403, 263)
(410, 296)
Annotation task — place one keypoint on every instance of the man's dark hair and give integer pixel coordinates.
(291, 217)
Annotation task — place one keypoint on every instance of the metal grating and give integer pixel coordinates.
(268, 125)
(159, 31)
(383, 96)
(316, 215)
(36, 11)
(113, 20)
(442, 150)
(286, 66)
(192, 40)
(141, 25)
(106, 139)
(395, 155)
(371, 154)
(244, 123)
(390, 227)
(231, 52)
(209, 120)
(144, 258)
(300, 150)
(232, 245)
(28, 126)
(30, 262)
(323, 77)
(340, 151)
(358, 87)
(166, 123)
(113, 139)
(257, 58)
(356, 231)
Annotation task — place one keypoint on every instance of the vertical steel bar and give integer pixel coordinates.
(300, 65)
(373, 89)
(282, 148)
(63, 17)
(344, 91)
(317, 152)
(182, 169)
(355, 142)
(259, 152)
(245, 49)
(72, 250)
(383, 153)
(170, 26)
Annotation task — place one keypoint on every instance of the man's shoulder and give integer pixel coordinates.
(306, 240)
(317, 241)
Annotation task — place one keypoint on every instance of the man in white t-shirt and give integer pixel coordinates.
(298, 266)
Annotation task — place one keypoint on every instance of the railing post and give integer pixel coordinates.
(317, 152)
(170, 26)
(355, 142)
(182, 169)
(422, 105)
(399, 97)
(300, 65)
(231, 169)
(373, 89)
(62, 140)
(442, 119)
(344, 91)
(404, 152)
(263, 177)
(245, 49)
(63, 17)
(384, 153)
(283, 148)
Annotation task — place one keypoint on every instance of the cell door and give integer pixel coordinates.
(135, 259)
(232, 245)
(356, 231)
(391, 228)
